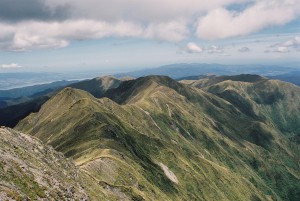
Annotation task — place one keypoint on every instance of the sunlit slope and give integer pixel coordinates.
(271, 100)
(157, 139)
(205, 81)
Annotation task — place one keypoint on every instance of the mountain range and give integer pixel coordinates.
(292, 77)
(154, 138)
(177, 71)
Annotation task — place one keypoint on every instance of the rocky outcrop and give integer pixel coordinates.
(31, 171)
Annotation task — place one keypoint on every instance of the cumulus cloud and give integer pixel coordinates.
(292, 43)
(170, 31)
(193, 48)
(244, 49)
(214, 49)
(30, 35)
(282, 49)
(286, 46)
(30, 24)
(12, 65)
(223, 23)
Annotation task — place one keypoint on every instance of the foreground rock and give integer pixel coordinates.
(31, 171)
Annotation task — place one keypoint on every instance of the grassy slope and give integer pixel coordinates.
(275, 103)
(274, 100)
(120, 148)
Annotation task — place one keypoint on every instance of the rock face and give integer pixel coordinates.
(156, 139)
(31, 171)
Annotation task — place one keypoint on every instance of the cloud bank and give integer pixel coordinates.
(31, 24)
(30, 35)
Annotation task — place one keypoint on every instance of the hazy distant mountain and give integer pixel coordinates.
(33, 90)
(183, 70)
(22, 79)
(292, 77)
(154, 138)
(195, 77)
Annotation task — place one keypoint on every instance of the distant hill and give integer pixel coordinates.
(33, 90)
(195, 77)
(293, 77)
(176, 71)
(205, 81)
(154, 138)
(22, 79)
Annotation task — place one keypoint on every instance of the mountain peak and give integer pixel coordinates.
(98, 86)
(142, 86)
(73, 93)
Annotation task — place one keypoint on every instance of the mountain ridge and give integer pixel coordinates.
(10, 115)
(176, 138)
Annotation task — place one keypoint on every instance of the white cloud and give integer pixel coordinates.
(193, 48)
(215, 49)
(222, 23)
(286, 46)
(30, 35)
(12, 65)
(167, 20)
(282, 49)
(170, 31)
(293, 43)
(69, 20)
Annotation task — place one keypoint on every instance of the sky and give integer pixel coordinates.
(122, 35)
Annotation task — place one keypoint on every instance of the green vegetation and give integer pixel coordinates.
(157, 139)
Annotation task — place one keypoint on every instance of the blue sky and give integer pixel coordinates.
(115, 36)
